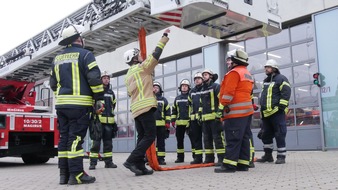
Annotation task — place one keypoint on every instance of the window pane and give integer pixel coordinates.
(307, 116)
(303, 73)
(121, 80)
(121, 118)
(256, 62)
(258, 79)
(255, 44)
(169, 67)
(113, 82)
(170, 82)
(301, 32)
(122, 105)
(237, 45)
(282, 56)
(159, 70)
(279, 39)
(256, 118)
(303, 52)
(183, 63)
(306, 94)
(185, 75)
(287, 73)
(290, 118)
(131, 131)
(130, 117)
(123, 131)
(197, 60)
(170, 95)
(122, 92)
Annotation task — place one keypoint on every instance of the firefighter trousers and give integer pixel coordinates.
(180, 133)
(275, 127)
(73, 125)
(107, 139)
(213, 133)
(196, 138)
(237, 135)
(146, 133)
(160, 142)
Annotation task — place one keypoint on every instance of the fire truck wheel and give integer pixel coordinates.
(34, 159)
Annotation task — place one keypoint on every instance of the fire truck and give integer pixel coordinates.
(28, 131)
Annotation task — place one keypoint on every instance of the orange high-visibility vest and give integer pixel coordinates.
(236, 91)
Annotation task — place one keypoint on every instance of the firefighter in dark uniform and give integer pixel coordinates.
(162, 115)
(274, 103)
(75, 80)
(109, 127)
(235, 96)
(180, 118)
(195, 125)
(211, 113)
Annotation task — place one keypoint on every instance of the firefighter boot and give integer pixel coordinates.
(180, 158)
(93, 163)
(109, 164)
(80, 178)
(209, 158)
(197, 160)
(64, 176)
(225, 168)
(280, 160)
(133, 168)
(220, 159)
(251, 163)
(267, 157)
(145, 171)
(242, 167)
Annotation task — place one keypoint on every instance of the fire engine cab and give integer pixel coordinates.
(26, 130)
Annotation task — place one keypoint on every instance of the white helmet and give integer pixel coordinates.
(208, 71)
(231, 53)
(105, 73)
(156, 83)
(271, 63)
(198, 75)
(241, 56)
(130, 54)
(70, 34)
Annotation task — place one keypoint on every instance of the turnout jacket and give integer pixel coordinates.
(209, 102)
(139, 81)
(181, 110)
(109, 102)
(75, 78)
(194, 102)
(275, 94)
(162, 113)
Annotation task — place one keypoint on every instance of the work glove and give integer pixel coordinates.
(173, 123)
(226, 109)
(167, 125)
(281, 108)
(219, 115)
(114, 130)
(255, 107)
(99, 107)
(199, 118)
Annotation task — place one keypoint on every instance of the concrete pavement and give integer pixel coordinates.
(303, 170)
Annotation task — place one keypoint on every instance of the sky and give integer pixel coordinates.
(23, 19)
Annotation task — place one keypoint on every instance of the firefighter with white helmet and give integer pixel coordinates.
(274, 103)
(195, 124)
(75, 87)
(235, 96)
(109, 127)
(211, 112)
(180, 118)
(162, 116)
(139, 82)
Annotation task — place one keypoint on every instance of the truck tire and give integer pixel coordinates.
(34, 159)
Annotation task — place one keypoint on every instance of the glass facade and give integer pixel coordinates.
(294, 50)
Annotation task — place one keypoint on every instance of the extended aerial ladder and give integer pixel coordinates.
(110, 24)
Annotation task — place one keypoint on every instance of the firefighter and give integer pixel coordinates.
(109, 127)
(162, 116)
(180, 118)
(235, 96)
(255, 107)
(139, 84)
(75, 80)
(195, 124)
(211, 113)
(274, 103)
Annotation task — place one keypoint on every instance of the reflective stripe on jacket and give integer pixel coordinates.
(209, 103)
(162, 113)
(276, 91)
(139, 82)
(181, 110)
(236, 91)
